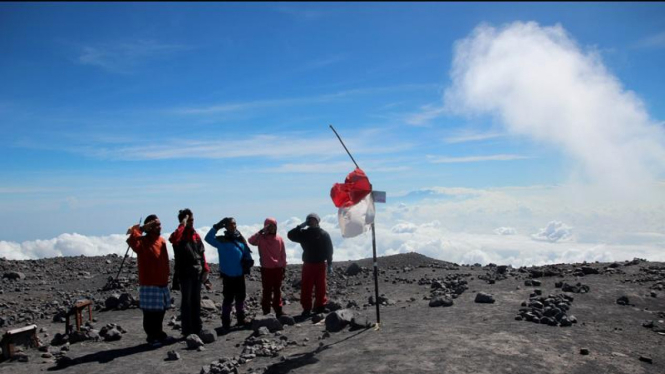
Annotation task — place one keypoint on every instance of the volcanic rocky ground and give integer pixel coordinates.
(435, 317)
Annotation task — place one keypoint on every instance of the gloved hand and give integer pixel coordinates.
(220, 225)
(130, 229)
(302, 225)
(330, 269)
(184, 220)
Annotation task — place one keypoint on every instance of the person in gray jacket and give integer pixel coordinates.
(317, 249)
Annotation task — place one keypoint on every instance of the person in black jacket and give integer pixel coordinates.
(190, 271)
(317, 249)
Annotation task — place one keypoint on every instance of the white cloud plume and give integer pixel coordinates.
(505, 231)
(554, 232)
(539, 83)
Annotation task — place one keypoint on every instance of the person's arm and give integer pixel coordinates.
(254, 239)
(176, 268)
(210, 237)
(206, 267)
(282, 253)
(134, 241)
(176, 236)
(295, 235)
(329, 251)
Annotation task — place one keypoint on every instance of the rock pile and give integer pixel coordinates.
(551, 310)
(263, 347)
(577, 288)
(443, 290)
(222, 366)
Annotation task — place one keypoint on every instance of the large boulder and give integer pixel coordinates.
(125, 301)
(13, 275)
(339, 319)
(353, 269)
(268, 321)
(112, 301)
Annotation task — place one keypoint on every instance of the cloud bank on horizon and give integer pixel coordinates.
(503, 226)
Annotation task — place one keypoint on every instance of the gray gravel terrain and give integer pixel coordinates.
(566, 318)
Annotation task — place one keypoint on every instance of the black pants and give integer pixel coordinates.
(152, 324)
(190, 306)
(234, 290)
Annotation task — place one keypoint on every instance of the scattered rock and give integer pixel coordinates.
(318, 317)
(646, 359)
(623, 300)
(484, 298)
(578, 288)
(208, 304)
(172, 356)
(584, 351)
(193, 341)
(269, 321)
(207, 336)
(441, 301)
(286, 320)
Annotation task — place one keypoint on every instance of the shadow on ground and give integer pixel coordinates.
(304, 359)
(101, 357)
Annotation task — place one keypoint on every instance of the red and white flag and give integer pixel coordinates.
(355, 203)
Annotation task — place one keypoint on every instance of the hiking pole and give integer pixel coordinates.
(376, 265)
(124, 258)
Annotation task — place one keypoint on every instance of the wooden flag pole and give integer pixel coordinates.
(375, 263)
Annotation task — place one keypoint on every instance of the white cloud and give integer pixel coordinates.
(554, 232)
(284, 146)
(471, 137)
(464, 159)
(653, 41)
(404, 228)
(123, 57)
(505, 231)
(539, 83)
(457, 225)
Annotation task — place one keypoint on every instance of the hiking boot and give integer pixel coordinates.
(242, 321)
(279, 312)
(306, 313)
(321, 309)
(226, 322)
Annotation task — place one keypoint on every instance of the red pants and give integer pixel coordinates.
(271, 279)
(313, 276)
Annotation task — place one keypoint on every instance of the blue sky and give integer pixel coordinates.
(112, 111)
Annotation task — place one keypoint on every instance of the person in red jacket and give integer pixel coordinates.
(190, 271)
(273, 265)
(153, 265)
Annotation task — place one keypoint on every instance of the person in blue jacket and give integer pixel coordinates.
(232, 249)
